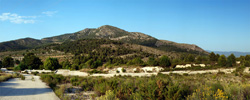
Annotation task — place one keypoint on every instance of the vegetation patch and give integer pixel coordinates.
(174, 86)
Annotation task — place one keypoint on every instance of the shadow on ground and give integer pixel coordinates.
(8, 91)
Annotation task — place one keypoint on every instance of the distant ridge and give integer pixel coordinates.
(227, 53)
(20, 44)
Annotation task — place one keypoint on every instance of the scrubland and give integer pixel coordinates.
(208, 86)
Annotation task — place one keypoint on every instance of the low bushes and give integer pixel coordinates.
(22, 77)
(5, 77)
(52, 80)
(155, 87)
(159, 87)
(109, 95)
(35, 73)
(206, 93)
(94, 71)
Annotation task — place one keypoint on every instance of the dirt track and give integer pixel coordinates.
(28, 89)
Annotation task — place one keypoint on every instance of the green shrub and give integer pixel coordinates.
(216, 86)
(123, 70)
(22, 77)
(246, 92)
(5, 77)
(94, 71)
(35, 73)
(220, 73)
(52, 80)
(246, 75)
(59, 92)
(185, 74)
(109, 95)
(205, 93)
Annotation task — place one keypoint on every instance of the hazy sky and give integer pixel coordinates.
(220, 25)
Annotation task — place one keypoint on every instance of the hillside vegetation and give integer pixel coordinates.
(218, 86)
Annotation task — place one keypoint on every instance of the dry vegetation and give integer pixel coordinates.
(207, 86)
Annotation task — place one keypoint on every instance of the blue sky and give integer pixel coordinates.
(218, 25)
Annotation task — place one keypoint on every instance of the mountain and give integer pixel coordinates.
(227, 53)
(114, 33)
(20, 44)
(106, 32)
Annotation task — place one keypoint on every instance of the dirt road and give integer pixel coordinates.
(32, 88)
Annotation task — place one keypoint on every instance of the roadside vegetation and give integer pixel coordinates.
(7, 76)
(218, 86)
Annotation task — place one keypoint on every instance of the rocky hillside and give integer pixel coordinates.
(106, 32)
(114, 33)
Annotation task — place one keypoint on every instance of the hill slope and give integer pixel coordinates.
(105, 32)
(19, 44)
(114, 33)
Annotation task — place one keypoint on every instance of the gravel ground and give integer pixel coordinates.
(32, 88)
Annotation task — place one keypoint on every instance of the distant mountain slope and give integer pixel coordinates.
(106, 32)
(19, 44)
(227, 53)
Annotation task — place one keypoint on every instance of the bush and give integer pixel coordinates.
(5, 77)
(59, 92)
(52, 80)
(216, 86)
(109, 95)
(123, 70)
(185, 74)
(35, 73)
(205, 93)
(220, 73)
(22, 77)
(94, 71)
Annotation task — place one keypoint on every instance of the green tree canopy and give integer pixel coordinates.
(199, 59)
(217, 57)
(51, 64)
(164, 61)
(212, 57)
(21, 66)
(31, 61)
(222, 60)
(152, 61)
(247, 63)
(231, 60)
(96, 64)
(66, 64)
(74, 67)
(89, 62)
(137, 61)
(190, 58)
(17, 62)
(8, 62)
(247, 58)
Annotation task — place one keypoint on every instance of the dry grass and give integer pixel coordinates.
(4, 77)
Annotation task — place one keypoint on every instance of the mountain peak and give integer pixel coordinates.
(107, 27)
(110, 28)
